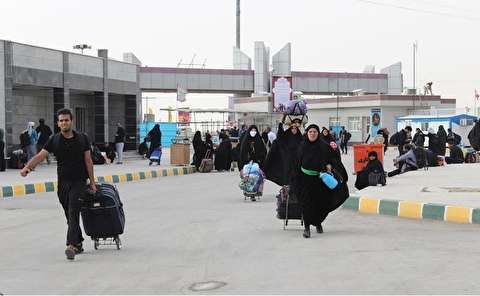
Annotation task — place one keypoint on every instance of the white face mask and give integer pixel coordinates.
(253, 133)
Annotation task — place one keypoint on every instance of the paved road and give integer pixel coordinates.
(188, 229)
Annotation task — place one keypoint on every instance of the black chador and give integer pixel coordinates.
(223, 154)
(252, 148)
(280, 161)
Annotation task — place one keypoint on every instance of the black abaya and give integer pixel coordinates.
(252, 148)
(281, 159)
(316, 198)
(223, 155)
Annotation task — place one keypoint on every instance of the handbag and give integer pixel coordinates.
(206, 166)
(375, 178)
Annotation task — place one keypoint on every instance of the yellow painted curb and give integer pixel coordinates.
(122, 178)
(169, 172)
(136, 177)
(410, 209)
(148, 175)
(108, 179)
(39, 187)
(457, 214)
(368, 205)
(18, 190)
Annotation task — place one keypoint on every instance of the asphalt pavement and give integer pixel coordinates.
(196, 231)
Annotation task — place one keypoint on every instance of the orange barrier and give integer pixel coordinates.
(360, 154)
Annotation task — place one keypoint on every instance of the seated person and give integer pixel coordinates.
(406, 162)
(456, 154)
(372, 173)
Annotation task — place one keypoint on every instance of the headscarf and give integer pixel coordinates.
(258, 146)
(197, 139)
(30, 128)
(313, 155)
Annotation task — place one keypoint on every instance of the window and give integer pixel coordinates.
(334, 121)
(354, 124)
(80, 120)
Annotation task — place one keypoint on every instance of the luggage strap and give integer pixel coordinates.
(310, 172)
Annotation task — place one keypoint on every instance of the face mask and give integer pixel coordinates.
(253, 133)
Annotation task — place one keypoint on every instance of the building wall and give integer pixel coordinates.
(31, 105)
(2, 87)
(116, 111)
(321, 117)
(395, 78)
(262, 75)
(33, 57)
(122, 71)
(85, 65)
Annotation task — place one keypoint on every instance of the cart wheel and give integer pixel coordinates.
(118, 242)
(95, 244)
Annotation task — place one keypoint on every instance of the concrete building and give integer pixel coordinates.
(35, 82)
(354, 112)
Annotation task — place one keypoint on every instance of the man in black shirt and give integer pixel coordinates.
(74, 166)
(44, 132)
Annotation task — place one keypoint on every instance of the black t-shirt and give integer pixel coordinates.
(70, 154)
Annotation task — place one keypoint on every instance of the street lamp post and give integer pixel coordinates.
(82, 47)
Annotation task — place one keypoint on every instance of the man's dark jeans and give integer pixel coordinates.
(70, 195)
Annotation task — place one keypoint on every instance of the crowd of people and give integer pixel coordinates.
(413, 154)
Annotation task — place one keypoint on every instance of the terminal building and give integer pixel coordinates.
(35, 82)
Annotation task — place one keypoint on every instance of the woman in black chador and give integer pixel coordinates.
(223, 154)
(316, 156)
(209, 145)
(373, 166)
(442, 140)
(199, 149)
(155, 136)
(252, 148)
(281, 159)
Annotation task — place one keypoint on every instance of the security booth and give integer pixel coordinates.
(460, 124)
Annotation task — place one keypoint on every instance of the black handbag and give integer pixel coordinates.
(375, 178)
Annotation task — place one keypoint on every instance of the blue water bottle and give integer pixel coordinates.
(329, 180)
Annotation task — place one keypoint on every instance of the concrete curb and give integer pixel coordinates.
(413, 209)
(19, 190)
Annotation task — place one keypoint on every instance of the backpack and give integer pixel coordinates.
(25, 139)
(421, 157)
(296, 107)
(348, 136)
(394, 139)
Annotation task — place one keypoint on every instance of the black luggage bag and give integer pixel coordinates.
(288, 207)
(103, 216)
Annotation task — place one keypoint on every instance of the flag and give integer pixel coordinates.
(181, 94)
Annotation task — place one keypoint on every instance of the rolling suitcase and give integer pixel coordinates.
(288, 207)
(103, 216)
(156, 156)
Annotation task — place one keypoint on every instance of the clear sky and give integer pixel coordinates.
(326, 35)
